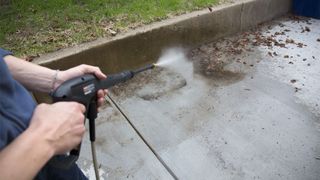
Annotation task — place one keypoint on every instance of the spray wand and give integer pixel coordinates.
(83, 89)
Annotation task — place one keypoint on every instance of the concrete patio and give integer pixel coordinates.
(242, 107)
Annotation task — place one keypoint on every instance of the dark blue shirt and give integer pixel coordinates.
(16, 109)
(16, 105)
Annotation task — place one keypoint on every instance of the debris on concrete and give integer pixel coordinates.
(248, 100)
(297, 89)
(305, 29)
(293, 80)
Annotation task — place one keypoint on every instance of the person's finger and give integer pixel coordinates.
(101, 102)
(79, 129)
(95, 70)
(100, 74)
(81, 107)
(100, 94)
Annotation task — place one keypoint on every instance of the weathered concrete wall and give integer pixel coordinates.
(258, 11)
(146, 44)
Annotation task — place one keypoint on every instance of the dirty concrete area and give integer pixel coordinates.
(242, 107)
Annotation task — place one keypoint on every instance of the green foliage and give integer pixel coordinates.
(29, 27)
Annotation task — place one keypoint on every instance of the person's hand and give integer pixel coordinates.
(79, 71)
(61, 125)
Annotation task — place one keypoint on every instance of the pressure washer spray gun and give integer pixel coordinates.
(83, 90)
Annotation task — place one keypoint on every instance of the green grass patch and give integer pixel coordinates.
(31, 27)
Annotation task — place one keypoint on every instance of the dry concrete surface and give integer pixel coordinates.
(242, 107)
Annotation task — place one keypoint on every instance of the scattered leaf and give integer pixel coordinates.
(291, 41)
(293, 81)
(300, 45)
(307, 29)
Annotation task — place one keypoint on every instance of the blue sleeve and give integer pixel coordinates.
(16, 105)
(4, 53)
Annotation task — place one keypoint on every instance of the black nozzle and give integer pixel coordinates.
(150, 66)
(114, 79)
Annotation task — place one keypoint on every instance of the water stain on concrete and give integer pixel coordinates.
(107, 114)
(151, 85)
(213, 63)
(241, 100)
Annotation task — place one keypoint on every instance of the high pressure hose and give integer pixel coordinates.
(94, 160)
(119, 77)
(116, 107)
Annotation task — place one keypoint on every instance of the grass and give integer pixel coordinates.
(32, 27)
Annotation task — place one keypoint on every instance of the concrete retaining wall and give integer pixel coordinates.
(146, 44)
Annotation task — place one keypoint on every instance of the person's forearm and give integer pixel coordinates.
(25, 156)
(39, 78)
(32, 76)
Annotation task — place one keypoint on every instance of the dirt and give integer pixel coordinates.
(150, 85)
(213, 61)
(299, 19)
(107, 114)
(131, 86)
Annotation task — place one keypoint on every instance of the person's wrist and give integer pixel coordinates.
(40, 141)
(57, 80)
(54, 83)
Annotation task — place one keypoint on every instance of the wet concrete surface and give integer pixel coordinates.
(121, 153)
(243, 107)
